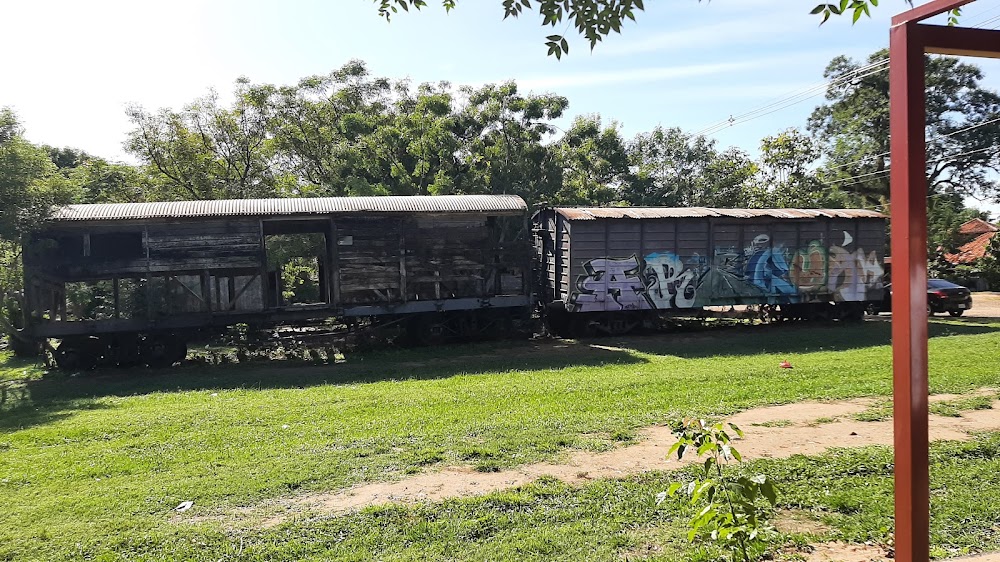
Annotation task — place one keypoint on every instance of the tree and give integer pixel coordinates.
(596, 19)
(30, 186)
(321, 128)
(962, 129)
(675, 169)
(416, 148)
(206, 151)
(502, 152)
(29, 182)
(595, 163)
(785, 178)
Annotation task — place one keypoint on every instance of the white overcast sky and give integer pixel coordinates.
(70, 68)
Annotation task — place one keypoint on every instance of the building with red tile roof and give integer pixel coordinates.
(979, 234)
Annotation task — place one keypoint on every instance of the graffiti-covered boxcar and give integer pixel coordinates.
(611, 268)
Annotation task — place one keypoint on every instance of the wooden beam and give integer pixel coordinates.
(230, 290)
(232, 301)
(206, 291)
(182, 284)
(402, 264)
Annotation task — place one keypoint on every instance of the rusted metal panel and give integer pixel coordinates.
(499, 204)
(596, 213)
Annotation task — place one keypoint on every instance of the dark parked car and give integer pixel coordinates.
(942, 296)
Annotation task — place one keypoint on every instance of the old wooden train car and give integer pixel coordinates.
(610, 269)
(128, 283)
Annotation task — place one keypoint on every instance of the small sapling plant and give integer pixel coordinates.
(728, 507)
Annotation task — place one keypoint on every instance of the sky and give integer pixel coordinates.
(71, 68)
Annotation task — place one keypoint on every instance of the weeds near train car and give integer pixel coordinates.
(730, 507)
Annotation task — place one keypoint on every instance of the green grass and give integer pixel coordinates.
(954, 408)
(93, 465)
(882, 410)
(851, 490)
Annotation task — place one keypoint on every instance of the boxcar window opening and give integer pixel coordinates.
(116, 246)
(59, 246)
(89, 300)
(296, 266)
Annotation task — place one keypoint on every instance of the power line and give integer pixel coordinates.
(953, 133)
(888, 168)
(792, 99)
(737, 121)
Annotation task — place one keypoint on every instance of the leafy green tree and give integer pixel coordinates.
(416, 148)
(30, 186)
(321, 128)
(206, 151)
(730, 177)
(596, 19)
(945, 213)
(962, 129)
(29, 182)
(109, 182)
(502, 133)
(675, 169)
(595, 163)
(786, 179)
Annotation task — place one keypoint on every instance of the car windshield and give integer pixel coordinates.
(941, 284)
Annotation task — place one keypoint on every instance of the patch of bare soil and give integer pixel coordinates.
(845, 552)
(985, 305)
(798, 521)
(776, 431)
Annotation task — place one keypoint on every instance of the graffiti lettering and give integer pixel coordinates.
(610, 284)
(668, 283)
(766, 267)
(852, 274)
(757, 273)
(808, 271)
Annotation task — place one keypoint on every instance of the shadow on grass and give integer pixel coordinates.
(57, 394)
(793, 337)
(47, 398)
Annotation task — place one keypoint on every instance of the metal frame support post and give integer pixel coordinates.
(908, 196)
(908, 41)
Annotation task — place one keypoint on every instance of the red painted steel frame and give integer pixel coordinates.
(908, 41)
(908, 195)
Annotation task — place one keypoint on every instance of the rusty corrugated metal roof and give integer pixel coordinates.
(292, 206)
(594, 213)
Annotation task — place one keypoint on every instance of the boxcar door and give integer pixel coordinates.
(368, 260)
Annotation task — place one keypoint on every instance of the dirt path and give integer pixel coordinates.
(985, 304)
(778, 431)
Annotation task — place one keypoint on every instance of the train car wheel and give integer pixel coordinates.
(429, 329)
(23, 347)
(855, 312)
(467, 326)
(619, 326)
(125, 351)
(163, 351)
(583, 328)
(78, 354)
(560, 323)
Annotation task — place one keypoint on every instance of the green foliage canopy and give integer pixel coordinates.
(596, 19)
